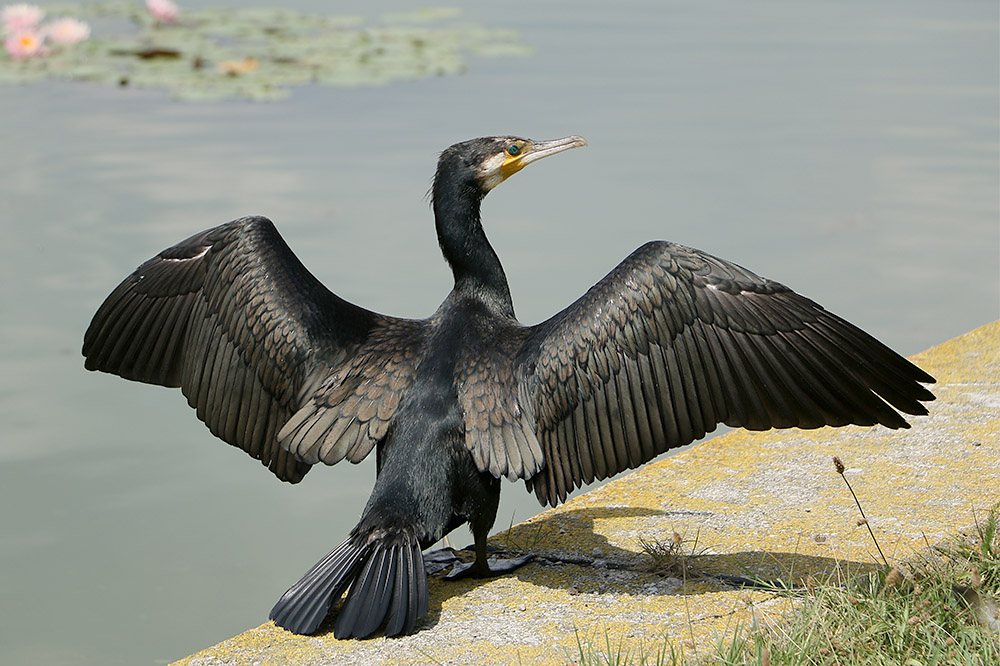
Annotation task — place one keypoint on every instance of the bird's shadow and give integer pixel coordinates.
(572, 538)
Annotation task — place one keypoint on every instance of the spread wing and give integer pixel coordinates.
(252, 339)
(671, 343)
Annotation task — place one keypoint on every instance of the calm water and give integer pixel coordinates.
(849, 150)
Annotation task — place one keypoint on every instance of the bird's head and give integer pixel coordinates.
(485, 163)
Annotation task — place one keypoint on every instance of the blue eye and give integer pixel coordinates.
(513, 150)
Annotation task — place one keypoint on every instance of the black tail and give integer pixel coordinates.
(387, 584)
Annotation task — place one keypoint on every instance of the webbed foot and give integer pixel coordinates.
(439, 560)
(494, 566)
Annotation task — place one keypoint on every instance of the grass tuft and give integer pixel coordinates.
(942, 608)
(671, 558)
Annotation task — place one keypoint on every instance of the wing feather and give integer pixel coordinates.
(233, 318)
(578, 442)
(675, 341)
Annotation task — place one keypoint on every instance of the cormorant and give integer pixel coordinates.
(669, 344)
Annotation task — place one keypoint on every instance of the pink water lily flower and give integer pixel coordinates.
(67, 31)
(25, 44)
(20, 17)
(163, 10)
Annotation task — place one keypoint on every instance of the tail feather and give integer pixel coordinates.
(414, 601)
(419, 578)
(399, 612)
(384, 579)
(304, 606)
(365, 608)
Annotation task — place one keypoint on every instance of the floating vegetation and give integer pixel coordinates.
(252, 53)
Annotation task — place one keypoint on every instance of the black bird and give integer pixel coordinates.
(669, 344)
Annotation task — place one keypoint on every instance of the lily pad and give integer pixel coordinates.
(258, 53)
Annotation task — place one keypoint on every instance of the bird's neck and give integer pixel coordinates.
(474, 263)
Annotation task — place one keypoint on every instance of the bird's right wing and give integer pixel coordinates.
(259, 347)
(673, 342)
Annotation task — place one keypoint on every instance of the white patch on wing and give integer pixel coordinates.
(201, 254)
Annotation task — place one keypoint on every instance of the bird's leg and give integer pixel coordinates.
(482, 566)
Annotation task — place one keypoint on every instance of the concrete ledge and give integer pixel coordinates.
(769, 504)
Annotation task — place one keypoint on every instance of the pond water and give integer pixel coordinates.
(849, 150)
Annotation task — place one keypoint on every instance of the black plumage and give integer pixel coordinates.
(668, 345)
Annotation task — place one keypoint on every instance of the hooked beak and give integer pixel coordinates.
(537, 151)
(542, 149)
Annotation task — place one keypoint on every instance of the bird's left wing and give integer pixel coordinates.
(273, 362)
(668, 345)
